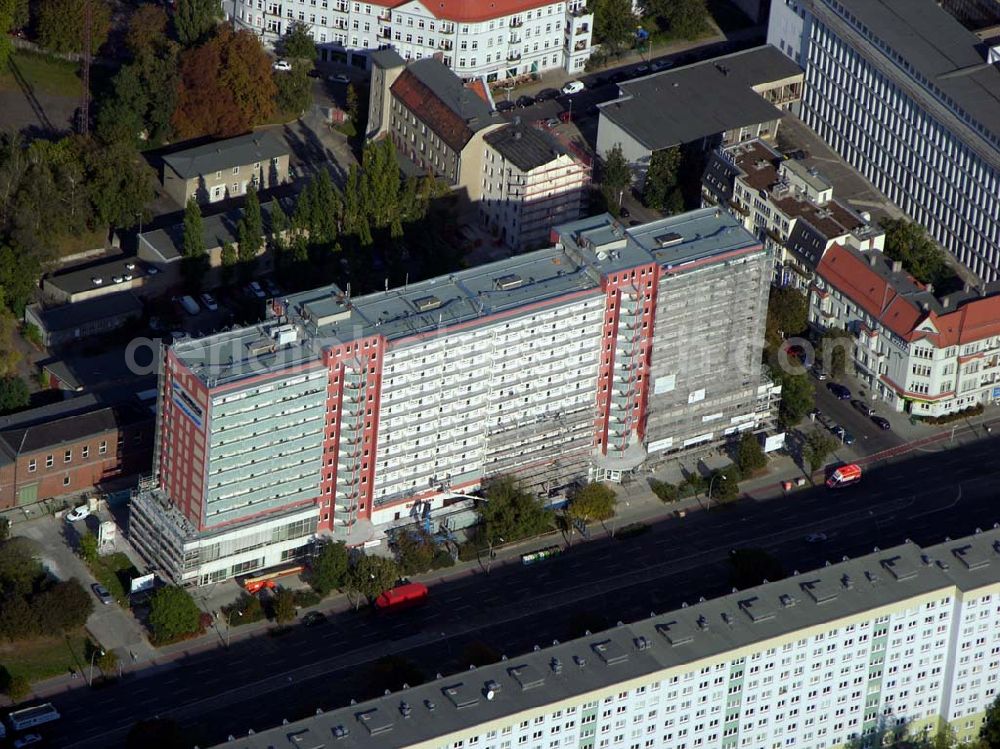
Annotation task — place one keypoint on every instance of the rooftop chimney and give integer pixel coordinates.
(897, 266)
(871, 260)
(930, 288)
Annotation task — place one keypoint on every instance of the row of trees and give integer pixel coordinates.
(615, 22)
(201, 79)
(31, 603)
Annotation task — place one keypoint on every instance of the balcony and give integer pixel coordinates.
(516, 23)
(582, 29)
(445, 44)
(580, 46)
(514, 38)
(513, 56)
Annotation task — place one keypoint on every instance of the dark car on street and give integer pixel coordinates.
(505, 106)
(547, 94)
(525, 101)
(618, 77)
(838, 390)
(313, 618)
(882, 423)
(863, 408)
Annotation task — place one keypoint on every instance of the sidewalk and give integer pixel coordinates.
(636, 504)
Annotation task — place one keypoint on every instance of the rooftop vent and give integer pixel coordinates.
(426, 303)
(642, 643)
(460, 695)
(340, 732)
(306, 739)
(675, 633)
(786, 601)
(899, 568)
(374, 720)
(668, 240)
(610, 652)
(972, 560)
(508, 282)
(260, 346)
(820, 591)
(527, 676)
(97, 280)
(756, 610)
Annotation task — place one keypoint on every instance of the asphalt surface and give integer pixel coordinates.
(869, 438)
(263, 680)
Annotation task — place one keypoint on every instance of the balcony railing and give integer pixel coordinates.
(516, 23)
(512, 55)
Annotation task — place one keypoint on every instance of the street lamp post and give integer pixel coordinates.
(229, 628)
(489, 562)
(93, 655)
(711, 483)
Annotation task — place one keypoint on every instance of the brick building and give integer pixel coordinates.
(71, 447)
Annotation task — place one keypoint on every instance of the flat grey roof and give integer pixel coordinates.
(386, 58)
(67, 316)
(596, 663)
(588, 250)
(225, 154)
(696, 101)
(81, 278)
(216, 229)
(526, 146)
(937, 51)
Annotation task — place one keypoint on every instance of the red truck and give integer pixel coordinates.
(401, 597)
(844, 476)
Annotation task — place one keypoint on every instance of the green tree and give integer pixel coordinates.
(787, 315)
(88, 547)
(194, 264)
(750, 567)
(63, 607)
(661, 189)
(836, 350)
(4, 529)
(61, 24)
(13, 394)
(173, 614)
(19, 272)
(20, 569)
(683, 19)
(279, 226)
(372, 575)
(595, 501)
(990, 731)
(195, 20)
(244, 610)
(817, 448)
(230, 259)
(694, 482)
(724, 484)
(908, 242)
(119, 184)
(329, 568)
(381, 185)
(616, 178)
(293, 90)
(18, 689)
(798, 397)
(17, 618)
(510, 512)
(147, 30)
(284, 605)
(750, 456)
(353, 104)
(107, 661)
(297, 43)
(142, 99)
(250, 232)
(664, 491)
(415, 552)
(614, 24)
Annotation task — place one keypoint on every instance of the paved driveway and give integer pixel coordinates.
(114, 627)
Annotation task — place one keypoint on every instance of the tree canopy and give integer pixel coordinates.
(595, 501)
(226, 86)
(836, 350)
(798, 397)
(661, 189)
(61, 24)
(614, 24)
(370, 576)
(298, 43)
(173, 614)
(817, 448)
(13, 394)
(787, 314)
(329, 568)
(617, 176)
(510, 512)
(194, 263)
(682, 19)
(195, 20)
(908, 242)
(750, 455)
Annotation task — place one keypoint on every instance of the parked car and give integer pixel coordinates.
(78, 513)
(642, 69)
(863, 407)
(818, 373)
(506, 106)
(313, 618)
(282, 65)
(882, 423)
(209, 301)
(838, 390)
(844, 436)
(525, 101)
(547, 94)
(271, 288)
(189, 305)
(255, 290)
(659, 65)
(29, 739)
(339, 78)
(573, 87)
(102, 594)
(815, 538)
(624, 212)
(551, 122)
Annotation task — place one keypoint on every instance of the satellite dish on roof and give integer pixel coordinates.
(490, 694)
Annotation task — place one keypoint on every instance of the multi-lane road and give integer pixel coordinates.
(263, 680)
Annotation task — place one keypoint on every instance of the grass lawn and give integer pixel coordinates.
(71, 244)
(45, 75)
(44, 657)
(114, 572)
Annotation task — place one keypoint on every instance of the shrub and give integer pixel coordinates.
(18, 688)
(174, 615)
(244, 610)
(965, 413)
(306, 598)
(666, 492)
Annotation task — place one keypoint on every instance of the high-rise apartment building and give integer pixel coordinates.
(901, 640)
(489, 40)
(343, 415)
(904, 94)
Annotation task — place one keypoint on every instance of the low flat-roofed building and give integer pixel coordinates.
(823, 656)
(531, 182)
(225, 168)
(724, 100)
(787, 205)
(70, 322)
(91, 280)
